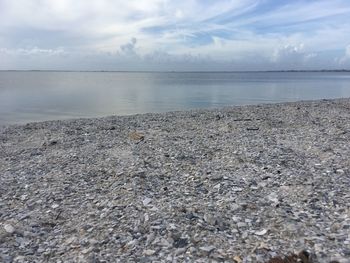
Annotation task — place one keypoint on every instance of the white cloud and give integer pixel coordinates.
(32, 51)
(223, 31)
(347, 52)
(345, 59)
(289, 52)
(300, 11)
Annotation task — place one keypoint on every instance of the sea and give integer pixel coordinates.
(31, 96)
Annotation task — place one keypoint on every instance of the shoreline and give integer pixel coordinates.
(218, 108)
(237, 183)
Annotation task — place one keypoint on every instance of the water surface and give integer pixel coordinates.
(38, 96)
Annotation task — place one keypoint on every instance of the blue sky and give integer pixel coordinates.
(174, 35)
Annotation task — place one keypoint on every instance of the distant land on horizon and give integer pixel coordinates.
(177, 71)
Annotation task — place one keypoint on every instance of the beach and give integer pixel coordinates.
(235, 184)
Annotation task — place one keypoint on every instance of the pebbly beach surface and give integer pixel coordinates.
(262, 183)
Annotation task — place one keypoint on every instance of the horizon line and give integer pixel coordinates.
(176, 71)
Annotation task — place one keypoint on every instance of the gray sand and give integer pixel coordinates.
(240, 184)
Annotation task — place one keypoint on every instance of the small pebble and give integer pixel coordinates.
(9, 228)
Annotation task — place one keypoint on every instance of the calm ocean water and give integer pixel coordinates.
(38, 96)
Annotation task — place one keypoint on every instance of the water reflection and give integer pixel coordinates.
(36, 96)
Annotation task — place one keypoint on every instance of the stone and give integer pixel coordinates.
(9, 228)
(149, 252)
(180, 242)
(241, 224)
(211, 220)
(54, 206)
(207, 249)
(237, 259)
(197, 190)
(146, 201)
(273, 197)
(180, 251)
(136, 136)
(261, 232)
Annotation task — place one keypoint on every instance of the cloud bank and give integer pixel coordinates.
(174, 35)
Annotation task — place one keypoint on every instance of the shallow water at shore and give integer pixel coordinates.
(38, 96)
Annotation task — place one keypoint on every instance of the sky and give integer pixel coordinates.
(182, 35)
